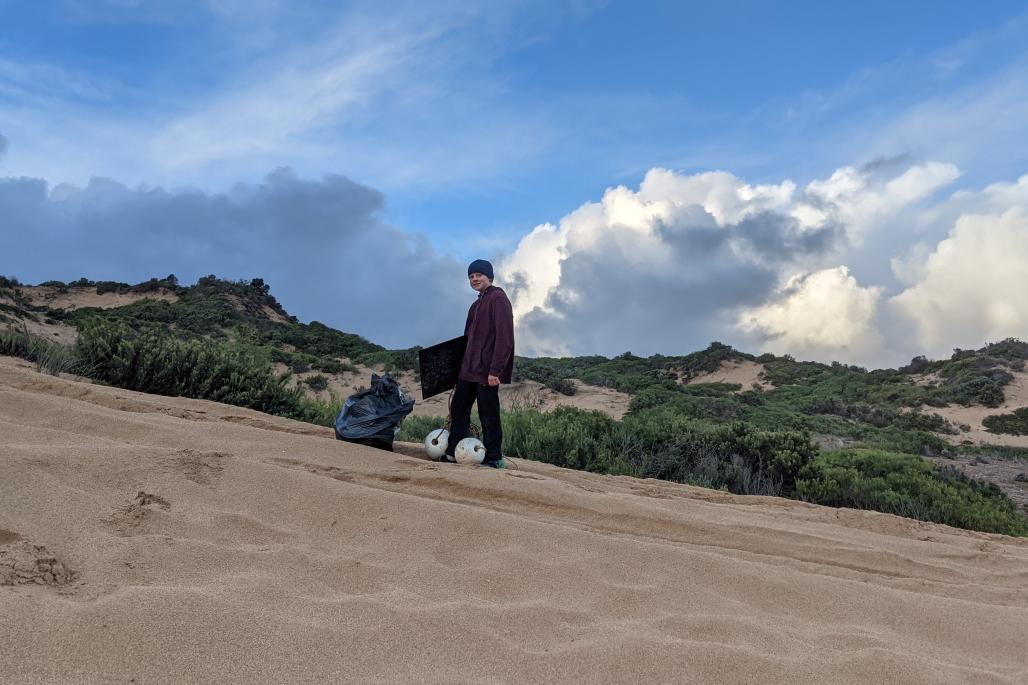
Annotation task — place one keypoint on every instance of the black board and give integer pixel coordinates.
(440, 366)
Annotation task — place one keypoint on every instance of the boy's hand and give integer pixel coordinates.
(493, 380)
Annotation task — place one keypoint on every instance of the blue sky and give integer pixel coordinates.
(468, 125)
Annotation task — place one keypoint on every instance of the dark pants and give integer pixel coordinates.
(488, 397)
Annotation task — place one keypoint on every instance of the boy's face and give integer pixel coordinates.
(479, 282)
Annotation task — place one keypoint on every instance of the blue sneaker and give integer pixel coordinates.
(495, 464)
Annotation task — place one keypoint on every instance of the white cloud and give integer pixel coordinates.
(972, 287)
(535, 266)
(825, 314)
(999, 196)
(727, 198)
(691, 258)
(861, 202)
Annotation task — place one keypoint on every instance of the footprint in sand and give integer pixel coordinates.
(130, 519)
(330, 471)
(526, 476)
(23, 563)
(203, 468)
(299, 429)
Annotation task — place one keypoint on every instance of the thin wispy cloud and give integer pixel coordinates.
(401, 96)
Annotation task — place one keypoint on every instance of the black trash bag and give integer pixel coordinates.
(372, 417)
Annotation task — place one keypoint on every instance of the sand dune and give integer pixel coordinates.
(79, 298)
(741, 371)
(150, 539)
(970, 420)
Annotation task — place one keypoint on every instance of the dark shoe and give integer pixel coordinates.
(447, 459)
(496, 464)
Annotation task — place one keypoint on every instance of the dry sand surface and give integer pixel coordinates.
(744, 372)
(149, 539)
(56, 332)
(78, 298)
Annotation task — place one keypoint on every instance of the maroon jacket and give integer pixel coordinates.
(490, 331)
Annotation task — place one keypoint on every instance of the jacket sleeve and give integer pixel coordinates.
(503, 324)
(471, 312)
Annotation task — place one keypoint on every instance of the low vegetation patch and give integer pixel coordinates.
(1014, 423)
(906, 485)
(317, 382)
(51, 358)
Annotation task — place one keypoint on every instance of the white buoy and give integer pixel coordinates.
(469, 451)
(435, 443)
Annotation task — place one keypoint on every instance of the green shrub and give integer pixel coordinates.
(16, 342)
(103, 287)
(51, 358)
(909, 486)
(415, 428)
(660, 444)
(332, 366)
(156, 363)
(995, 451)
(317, 382)
(1014, 423)
(551, 376)
(567, 437)
(311, 410)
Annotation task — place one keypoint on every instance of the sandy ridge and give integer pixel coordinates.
(743, 372)
(80, 298)
(209, 542)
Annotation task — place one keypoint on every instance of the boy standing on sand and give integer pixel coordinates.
(488, 361)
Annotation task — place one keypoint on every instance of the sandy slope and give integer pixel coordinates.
(151, 539)
(78, 298)
(1015, 396)
(740, 371)
(53, 331)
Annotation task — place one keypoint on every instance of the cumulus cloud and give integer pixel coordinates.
(971, 287)
(996, 197)
(819, 315)
(860, 199)
(639, 269)
(689, 259)
(319, 243)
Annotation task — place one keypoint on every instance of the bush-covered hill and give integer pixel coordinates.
(220, 340)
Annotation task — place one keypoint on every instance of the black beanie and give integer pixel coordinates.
(480, 266)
